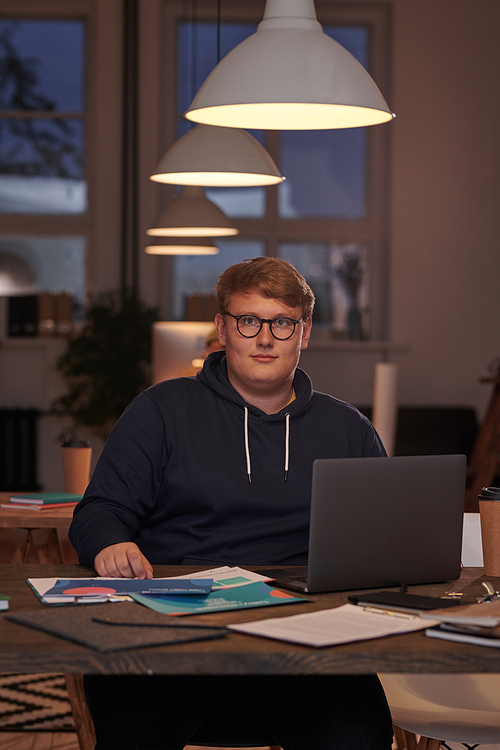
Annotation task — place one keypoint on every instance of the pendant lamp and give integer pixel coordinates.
(289, 75)
(192, 214)
(182, 246)
(217, 157)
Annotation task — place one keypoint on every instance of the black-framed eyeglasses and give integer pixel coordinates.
(250, 326)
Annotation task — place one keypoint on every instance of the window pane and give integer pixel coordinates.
(338, 276)
(249, 202)
(199, 274)
(41, 166)
(42, 65)
(325, 170)
(43, 264)
(42, 158)
(197, 57)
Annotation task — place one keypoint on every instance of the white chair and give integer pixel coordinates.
(458, 708)
(461, 708)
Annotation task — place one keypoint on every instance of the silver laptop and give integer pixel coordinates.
(383, 522)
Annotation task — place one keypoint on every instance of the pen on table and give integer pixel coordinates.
(193, 625)
(390, 612)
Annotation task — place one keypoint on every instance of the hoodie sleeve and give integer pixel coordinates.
(125, 483)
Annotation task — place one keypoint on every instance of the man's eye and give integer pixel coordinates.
(249, 320)
(281, 322)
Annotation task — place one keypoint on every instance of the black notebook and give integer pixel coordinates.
(113, 626)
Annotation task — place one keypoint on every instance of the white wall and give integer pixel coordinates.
(445, 223)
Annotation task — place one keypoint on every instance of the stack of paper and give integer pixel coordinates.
(476, 623)
(234, 588)
(209, 591)
(97, 590)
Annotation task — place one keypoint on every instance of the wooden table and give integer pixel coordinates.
(41, 529)
(24, 649)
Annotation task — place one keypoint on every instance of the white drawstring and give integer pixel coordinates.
(287, 445)
(287, 442)
(247, 449)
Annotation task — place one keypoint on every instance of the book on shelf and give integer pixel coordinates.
(44, 498)
(44, 314)
(23, 315)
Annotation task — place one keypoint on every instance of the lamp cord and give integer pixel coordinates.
(218, 31)
(194, 47)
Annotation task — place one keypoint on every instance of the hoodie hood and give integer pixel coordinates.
(214, 375)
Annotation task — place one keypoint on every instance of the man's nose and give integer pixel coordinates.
(265, 336)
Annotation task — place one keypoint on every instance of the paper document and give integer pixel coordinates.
(228, 577)
(92, 590)
(102, 589)
(257, 594)
(329, 627)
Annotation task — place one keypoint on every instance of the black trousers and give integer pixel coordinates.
(299, 713)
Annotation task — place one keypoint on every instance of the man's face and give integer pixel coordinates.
(263, 362)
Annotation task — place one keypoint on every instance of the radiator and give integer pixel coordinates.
(18, 431)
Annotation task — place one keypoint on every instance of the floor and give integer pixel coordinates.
(38, 741)
(68, 741)
(49, 741)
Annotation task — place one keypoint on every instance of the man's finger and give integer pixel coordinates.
(140, 565)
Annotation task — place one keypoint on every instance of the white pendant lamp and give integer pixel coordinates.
(183, 246)
(289, 75)
(217, 157)
(192, 214)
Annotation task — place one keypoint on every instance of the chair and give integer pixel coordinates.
(458, 708)
(222, 733)
(455, 708)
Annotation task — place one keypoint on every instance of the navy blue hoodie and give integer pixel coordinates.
(194, 474)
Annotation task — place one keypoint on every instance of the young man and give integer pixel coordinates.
(217, 470)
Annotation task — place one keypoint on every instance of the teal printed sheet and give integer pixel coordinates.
(258, 594)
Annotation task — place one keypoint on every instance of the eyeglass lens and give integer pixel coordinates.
(281, 328)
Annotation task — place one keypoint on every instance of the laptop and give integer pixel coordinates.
(382, 522)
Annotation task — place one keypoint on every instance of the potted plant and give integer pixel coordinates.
(107, 362)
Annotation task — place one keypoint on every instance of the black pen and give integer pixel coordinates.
(194, 626)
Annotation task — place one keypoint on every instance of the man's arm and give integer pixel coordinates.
(123, 560)
(124, 487)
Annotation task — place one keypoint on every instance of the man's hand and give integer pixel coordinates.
(123, 560)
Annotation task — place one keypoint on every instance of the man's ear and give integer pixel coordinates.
(220, 325)
(306, 333)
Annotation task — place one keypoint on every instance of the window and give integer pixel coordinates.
(42, 130)
(61, 89)
(329, 218)
(42, 137)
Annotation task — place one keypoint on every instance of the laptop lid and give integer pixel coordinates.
(385, 521)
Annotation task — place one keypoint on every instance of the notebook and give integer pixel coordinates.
(382, 522)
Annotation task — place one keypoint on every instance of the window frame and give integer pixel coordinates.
(100, 224)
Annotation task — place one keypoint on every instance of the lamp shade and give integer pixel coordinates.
(289, 75)
(182, 246)
(217, 157)
(192, 214)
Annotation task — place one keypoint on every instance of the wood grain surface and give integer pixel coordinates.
(24, 649)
